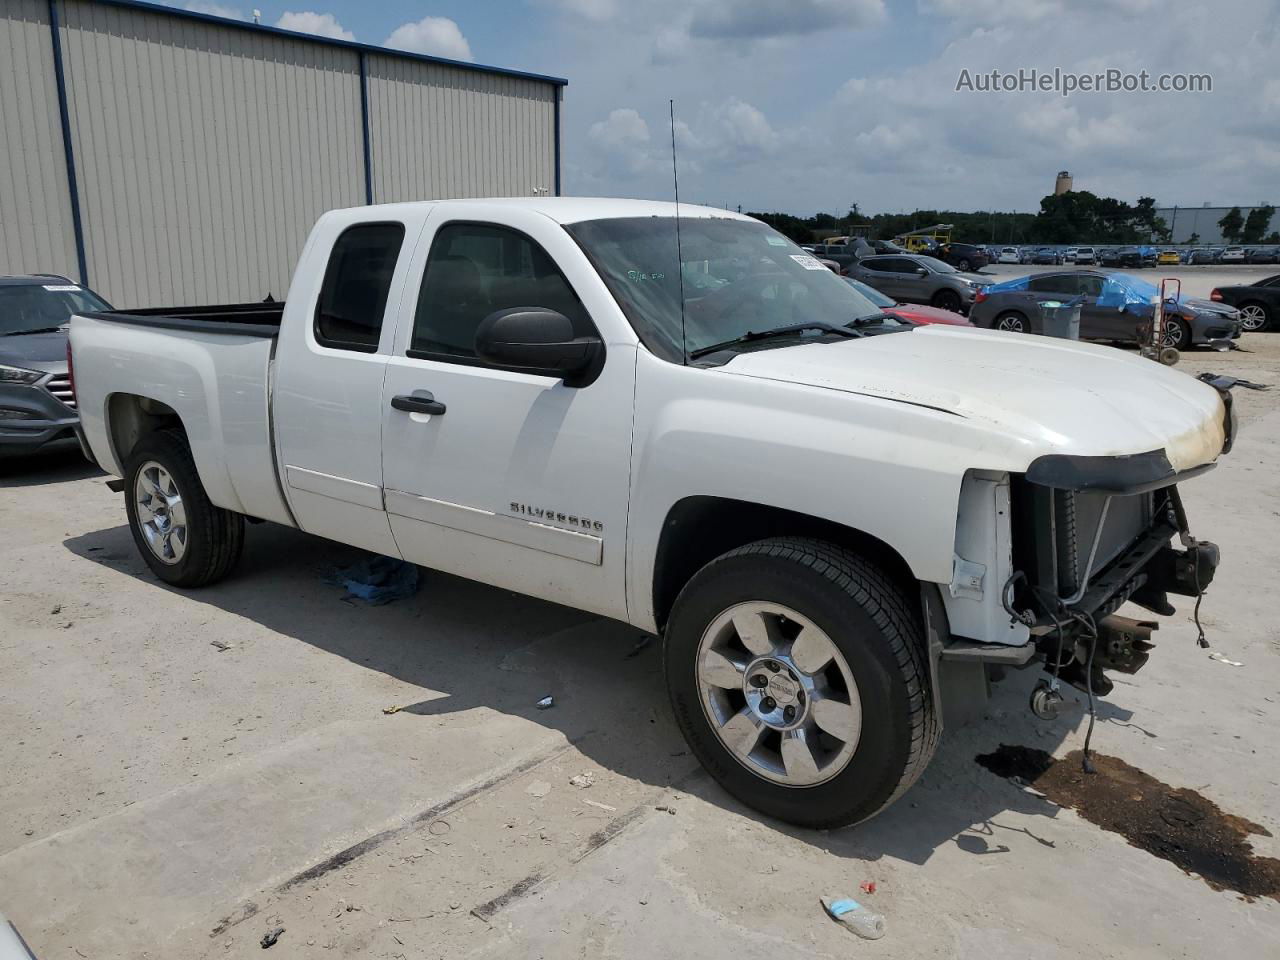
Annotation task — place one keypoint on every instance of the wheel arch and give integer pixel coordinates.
(697, 529)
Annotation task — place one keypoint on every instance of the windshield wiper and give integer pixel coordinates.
(789, 330)
(868, 321)
(18, 333)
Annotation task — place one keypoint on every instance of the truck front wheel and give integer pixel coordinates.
(182, 536)
(798, 676)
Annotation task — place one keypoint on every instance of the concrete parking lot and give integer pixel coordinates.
(186, 772)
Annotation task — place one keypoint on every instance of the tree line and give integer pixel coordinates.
(1074, 217)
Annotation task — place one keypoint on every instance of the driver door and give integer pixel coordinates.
(516, 480)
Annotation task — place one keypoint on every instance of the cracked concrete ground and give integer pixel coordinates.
(164, 797)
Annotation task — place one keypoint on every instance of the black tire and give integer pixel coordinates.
(215, 537)
(1012, 321)
(876, 628)
(947, 300)
(964, 265)
(1176, 334)
(1267, 318)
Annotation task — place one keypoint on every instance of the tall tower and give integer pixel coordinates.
(1062, 184)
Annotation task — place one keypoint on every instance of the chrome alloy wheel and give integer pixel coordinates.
(1011, 322)
(779, 694)
(1253, 317)
(162, 518)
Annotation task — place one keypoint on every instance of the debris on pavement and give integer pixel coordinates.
(1221, 659)
(269, 939)
(546, 703)
(583, 780)
(854, 916)
(539, 789)
(439, 828)
(666, 809)
(390, 710)
(57, 609)
(377, 580)
(221, 645)
(640, 646)
(867, 886)
(602, 806)
(1222, 381)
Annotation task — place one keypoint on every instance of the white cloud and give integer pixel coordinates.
(437, 36)
(215, 10)
(321, 24)
(623, 129)
(597, 11)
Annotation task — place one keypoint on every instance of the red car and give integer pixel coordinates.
(911, 312)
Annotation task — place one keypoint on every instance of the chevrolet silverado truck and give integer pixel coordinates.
(677, 418)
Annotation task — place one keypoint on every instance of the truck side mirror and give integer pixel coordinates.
(542, 341)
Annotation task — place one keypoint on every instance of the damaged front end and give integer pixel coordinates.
(1088, 534)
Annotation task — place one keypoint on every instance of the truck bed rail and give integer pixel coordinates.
(244, 319)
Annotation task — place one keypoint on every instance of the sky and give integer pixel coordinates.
(809, 105)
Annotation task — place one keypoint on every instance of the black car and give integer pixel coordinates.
(1046, 256)
(1262, 255)
(965, 257)
(37, 406)
(1258, 303)
(1127, 257)
(1108, 256)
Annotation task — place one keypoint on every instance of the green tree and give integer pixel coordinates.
(1255, 225)
(1194, 238)
(1231, 224)
(1273, 237)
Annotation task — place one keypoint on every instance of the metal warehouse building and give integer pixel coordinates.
(166, 158)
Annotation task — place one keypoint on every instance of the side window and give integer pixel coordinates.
(1090, 286)
(1053, 283)
(476, 269)
(879, 264)
(902, 265)
(353, 297)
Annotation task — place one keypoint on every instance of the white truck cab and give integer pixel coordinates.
(689, 425)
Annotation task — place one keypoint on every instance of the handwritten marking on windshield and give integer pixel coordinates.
(641, 275)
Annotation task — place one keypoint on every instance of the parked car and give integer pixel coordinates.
(1083, 256)
(1009, 255)
(1232, 255)
(1258, 303)
(910, 312)
(965, 257)
(497, 390)
(37, 406)
(1262, 255)
(1108, 256)
(920, 279)
(1125, 257)
(1069, 255)
(1204, 255)
(1168, 258)
(1114, 307)
(1046, 255)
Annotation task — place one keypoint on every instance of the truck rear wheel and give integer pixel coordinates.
(798, 676)
(183, 537)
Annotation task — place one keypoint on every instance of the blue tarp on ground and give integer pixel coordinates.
(377, 580)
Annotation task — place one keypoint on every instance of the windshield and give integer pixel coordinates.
(36, 306)
(871, 293)
(739, 277)
(937, 266)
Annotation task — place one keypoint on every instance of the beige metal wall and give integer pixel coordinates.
(440, 131)
(204, 153)
(35, 204)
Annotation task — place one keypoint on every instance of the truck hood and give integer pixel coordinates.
(1036, 395)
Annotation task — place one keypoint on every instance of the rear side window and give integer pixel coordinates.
(357, 280)
(1054, 283)
(475, 269)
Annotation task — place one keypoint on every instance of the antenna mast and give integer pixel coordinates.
(675, 179)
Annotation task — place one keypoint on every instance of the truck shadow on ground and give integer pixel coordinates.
(467, 646)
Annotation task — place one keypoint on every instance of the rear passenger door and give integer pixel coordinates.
(519, 481)
(327, 388)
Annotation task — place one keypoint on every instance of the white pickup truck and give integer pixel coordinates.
(690, 425)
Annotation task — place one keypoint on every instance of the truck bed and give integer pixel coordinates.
(260, 319)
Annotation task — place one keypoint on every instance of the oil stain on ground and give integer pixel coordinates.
(1173, 823)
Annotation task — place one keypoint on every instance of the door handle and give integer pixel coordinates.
(418, 403)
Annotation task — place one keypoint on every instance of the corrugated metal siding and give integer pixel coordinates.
(204, 153)
(36, 234)
(439, 132)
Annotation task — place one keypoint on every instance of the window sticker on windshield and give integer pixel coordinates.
(61, 287)
(776, 241)
(641, 275)
(808, 262)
